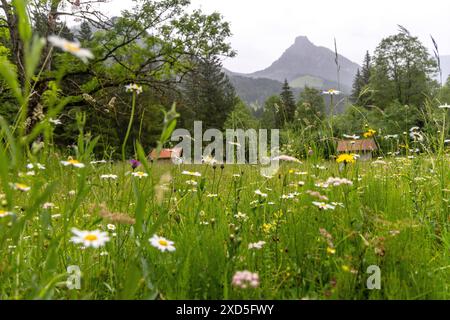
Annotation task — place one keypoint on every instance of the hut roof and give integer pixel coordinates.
(356, 145)
(166, 153)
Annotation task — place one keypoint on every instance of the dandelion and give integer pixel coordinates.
(162, 243)
(71, 47)
(72, 162)
(245, 279)
(369, 133)
(257, 245)
(4, 214)
(268, 227)
(139, 174)
(189, 173)
(93, 239)
(21, 187)
(132, 87)
(108, 176)
(323, 205)
(346, 158)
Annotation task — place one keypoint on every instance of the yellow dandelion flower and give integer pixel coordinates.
(370, 133)
(346, 158)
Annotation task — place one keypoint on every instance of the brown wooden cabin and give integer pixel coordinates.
(364, 148)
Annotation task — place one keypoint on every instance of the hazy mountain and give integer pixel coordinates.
(302, 64)
(305, 63)
(256, 90)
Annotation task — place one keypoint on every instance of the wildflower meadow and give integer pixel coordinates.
(79, 223)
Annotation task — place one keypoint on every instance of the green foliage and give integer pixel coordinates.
(272, 117)
(310, 108)
(241, 118)
(208, 96)
(402, 70)
(287, 103)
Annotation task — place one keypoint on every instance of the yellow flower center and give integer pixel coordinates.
(71, 161)
(71, 47)
(21, 186)
(91, 237)
(164, 243)
(2, 213)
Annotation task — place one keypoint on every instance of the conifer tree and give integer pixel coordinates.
(287, 103)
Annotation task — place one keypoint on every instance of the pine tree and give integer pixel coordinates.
(85, 33)
(365, 72)
(361, 82)
(288, 102)
(208, 94)
(357, 87)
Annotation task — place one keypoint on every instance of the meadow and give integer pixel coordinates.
(299, 233)
(77, 223)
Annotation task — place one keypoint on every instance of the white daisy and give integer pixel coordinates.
(4, 213)
(93, 239)
(444, 106)
(260, 193)
(139, 174)
(132, 87)
(323, 205)
(189, 173)
(108, 176)
(20, 187)
(162, 243)
(353, 137)
(332, 92)
(71, 47)
(257, 245)
(48, 205)
(72, 162)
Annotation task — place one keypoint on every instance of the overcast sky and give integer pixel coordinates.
(263, 29)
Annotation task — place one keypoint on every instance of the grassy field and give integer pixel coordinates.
(392, 213)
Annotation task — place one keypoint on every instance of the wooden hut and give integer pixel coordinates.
(165, 156)
(364, 147)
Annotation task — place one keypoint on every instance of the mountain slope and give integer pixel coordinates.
(304, 58)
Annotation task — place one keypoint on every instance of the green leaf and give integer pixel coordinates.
(24, 22)
(33, 57)
(8, 72)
